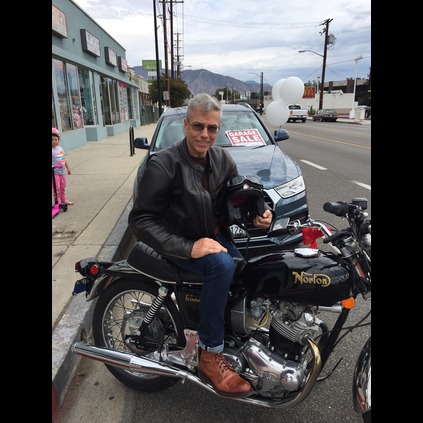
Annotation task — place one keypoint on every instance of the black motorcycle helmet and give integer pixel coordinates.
(239, 200)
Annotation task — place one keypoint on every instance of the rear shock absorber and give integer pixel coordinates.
(154, 308)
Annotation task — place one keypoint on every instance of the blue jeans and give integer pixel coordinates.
(218, 270)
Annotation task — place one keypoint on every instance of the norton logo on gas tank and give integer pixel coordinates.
(311, 279)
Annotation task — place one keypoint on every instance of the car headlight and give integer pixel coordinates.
(291, 188)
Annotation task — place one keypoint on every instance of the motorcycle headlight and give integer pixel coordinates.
(291, 188)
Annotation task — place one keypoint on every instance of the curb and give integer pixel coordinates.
(75, 323)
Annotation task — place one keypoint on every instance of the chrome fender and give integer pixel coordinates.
(362, 381)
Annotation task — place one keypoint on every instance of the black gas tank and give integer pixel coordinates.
(304, 276)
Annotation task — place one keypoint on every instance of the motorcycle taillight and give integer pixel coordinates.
(86, 267)
(94, 269)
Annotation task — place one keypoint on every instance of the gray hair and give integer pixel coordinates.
(205, 103)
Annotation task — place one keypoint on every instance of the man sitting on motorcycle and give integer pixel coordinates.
(176, 217)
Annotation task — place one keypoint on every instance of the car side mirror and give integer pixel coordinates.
(142, 143)
(281, 134)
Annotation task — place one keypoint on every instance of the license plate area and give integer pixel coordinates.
(237, 232)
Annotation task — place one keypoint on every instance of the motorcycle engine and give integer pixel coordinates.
(275, 352)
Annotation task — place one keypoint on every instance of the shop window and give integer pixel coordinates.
(123, 102)
(68, 96)
(72, 72)
(62, 95)
(105, 101)
(53, 112)
(88, 97)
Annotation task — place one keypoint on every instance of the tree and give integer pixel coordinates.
(179, 91)
(227, 94)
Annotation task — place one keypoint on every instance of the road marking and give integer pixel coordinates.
(324, 168)
(313, 164)
(331, 140)
(362, 185)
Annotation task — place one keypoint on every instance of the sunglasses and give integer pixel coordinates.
(199, 127)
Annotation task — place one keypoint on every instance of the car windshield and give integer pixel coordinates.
(330, 111)
(238, 129)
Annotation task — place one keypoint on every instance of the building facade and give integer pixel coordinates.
(94, 92)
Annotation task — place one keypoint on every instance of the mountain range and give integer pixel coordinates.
(204, 81)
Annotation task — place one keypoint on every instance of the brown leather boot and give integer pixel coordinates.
(225, 380)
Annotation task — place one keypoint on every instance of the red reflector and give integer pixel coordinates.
(94, 269)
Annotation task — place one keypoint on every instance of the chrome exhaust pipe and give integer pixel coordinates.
(130, 362)
(138, 364)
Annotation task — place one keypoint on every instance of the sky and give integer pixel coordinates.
(242, 38)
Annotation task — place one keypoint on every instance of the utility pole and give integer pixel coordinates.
(261, 99)
(178, 57)
(166, 53)
(159, 91)
(261, 93)
(176, 73)
(326, 32)
(172, 59)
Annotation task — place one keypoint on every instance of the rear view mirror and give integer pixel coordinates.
(281, 134)
(141, 143)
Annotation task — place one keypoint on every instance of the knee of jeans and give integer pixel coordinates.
(223, 263)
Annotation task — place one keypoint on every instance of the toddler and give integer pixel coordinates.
(58, 158)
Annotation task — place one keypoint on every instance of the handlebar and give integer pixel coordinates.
(343, 209)
(294, 227)
(338, 209)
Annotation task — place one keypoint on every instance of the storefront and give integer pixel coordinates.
(92, 95)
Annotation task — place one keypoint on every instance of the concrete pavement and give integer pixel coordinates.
(100, 186)
(346, 119)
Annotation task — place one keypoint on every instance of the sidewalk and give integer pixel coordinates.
(94, 226)
(346, 119)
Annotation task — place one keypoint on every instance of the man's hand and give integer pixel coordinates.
(263, 221)
(204, 246)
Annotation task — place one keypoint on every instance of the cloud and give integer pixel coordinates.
(240, 37)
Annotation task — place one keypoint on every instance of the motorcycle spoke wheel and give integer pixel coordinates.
(119, 311)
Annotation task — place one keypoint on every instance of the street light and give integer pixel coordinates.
(311, 51)
(261, 91)
(357, 59)
(322, 84)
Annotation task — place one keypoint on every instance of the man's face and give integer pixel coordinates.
(201, 131)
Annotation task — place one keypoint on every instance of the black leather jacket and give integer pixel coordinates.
(172, 209)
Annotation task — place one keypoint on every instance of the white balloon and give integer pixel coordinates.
(291, 90)
(277, 113)
(275, 90)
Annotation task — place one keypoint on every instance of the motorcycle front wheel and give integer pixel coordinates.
(119, 310)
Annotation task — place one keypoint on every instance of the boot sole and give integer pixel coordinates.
(205, 379)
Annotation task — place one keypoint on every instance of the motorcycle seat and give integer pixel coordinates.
(146, 260)
(149, 262)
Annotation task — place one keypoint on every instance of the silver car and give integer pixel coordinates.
(256, 152)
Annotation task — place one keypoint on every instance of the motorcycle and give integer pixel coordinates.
(145, 318)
